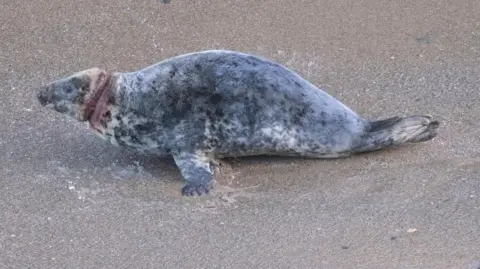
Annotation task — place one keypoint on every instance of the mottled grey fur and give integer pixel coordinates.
(213, 104)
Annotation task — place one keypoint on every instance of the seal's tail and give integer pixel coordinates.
(395, 131)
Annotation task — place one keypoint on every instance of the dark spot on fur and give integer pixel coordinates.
(120, 142)
(209, 115)
(219, 113)
(173, 71)
(302, 112)
(298, 85)
(251, 60)
(215, 98)
(145, 127)
(198, 67)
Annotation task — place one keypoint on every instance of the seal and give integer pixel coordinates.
(204, 106)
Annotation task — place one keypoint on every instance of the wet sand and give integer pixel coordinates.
(70, 200)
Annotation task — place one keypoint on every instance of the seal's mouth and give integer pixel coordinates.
(97, 100)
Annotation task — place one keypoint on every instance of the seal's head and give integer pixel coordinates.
(80, 95)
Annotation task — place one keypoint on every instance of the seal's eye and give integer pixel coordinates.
(80, 84)
(69, 90)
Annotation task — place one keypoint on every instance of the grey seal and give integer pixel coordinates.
(203, 106)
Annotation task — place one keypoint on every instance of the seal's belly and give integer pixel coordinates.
(284, 140)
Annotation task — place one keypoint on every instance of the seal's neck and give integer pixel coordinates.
(98, 108)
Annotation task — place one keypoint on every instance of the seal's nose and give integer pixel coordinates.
(43, 97)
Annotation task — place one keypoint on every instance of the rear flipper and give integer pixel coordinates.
(396, 131)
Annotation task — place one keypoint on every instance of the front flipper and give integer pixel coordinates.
(195, 169)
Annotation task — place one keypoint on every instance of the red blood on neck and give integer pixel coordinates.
(97, 106)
